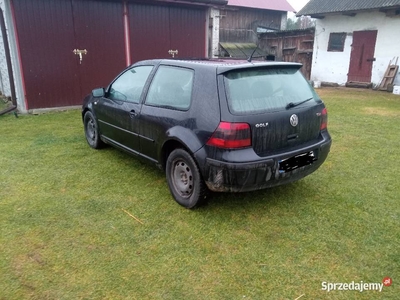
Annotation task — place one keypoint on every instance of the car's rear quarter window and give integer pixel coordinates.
(171, 88)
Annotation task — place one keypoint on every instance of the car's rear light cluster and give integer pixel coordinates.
(231, 136)
(324, 119)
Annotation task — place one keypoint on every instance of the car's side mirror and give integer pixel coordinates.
(98, 92)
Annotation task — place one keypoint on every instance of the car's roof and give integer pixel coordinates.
(224, 65)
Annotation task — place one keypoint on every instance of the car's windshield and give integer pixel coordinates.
(266, 89)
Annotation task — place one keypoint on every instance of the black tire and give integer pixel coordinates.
(92, 131)
(184, 179)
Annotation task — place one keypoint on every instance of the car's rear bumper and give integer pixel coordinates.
(222, 176)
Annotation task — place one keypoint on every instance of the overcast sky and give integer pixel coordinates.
(298, 4)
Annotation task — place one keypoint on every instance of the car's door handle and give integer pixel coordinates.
(133, 113)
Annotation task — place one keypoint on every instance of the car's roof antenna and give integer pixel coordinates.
(258, 43)
(251, 56)
(255, 49)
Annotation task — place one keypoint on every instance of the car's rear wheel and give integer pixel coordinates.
(184, 179)
(92, 131)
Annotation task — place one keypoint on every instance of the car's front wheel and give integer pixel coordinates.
(184, 179)
(92, 131)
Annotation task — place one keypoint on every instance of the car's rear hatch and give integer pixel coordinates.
(282, 109)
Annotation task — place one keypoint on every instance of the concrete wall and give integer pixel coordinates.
(214, 34)
(334, 66)
(4, 78)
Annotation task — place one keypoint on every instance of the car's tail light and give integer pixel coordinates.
(324, 119)
(231, 136)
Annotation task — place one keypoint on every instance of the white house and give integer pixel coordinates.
(354, 39)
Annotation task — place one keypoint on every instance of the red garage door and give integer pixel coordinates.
(49, 31)
(155, 30)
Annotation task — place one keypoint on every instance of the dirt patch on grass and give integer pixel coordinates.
(23, 262)
(381, 111)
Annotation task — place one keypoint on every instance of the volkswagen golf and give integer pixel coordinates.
(219, 125)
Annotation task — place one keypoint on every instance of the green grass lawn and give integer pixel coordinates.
(65, 233)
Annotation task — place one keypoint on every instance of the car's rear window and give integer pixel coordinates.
(265, 89)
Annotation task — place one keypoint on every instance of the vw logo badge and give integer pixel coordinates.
(294, 120)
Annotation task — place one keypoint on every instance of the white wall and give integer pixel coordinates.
(334, 66)
(215, 17)
(5, 82)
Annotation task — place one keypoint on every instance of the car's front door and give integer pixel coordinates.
(118, 112)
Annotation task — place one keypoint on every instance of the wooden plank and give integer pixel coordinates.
(389, 77)
(305, 51)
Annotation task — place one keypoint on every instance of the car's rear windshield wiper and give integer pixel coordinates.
(291, 104)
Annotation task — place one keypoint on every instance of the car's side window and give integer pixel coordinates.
(171, 88)
(129, 86)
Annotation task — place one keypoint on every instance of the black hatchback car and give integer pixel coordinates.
(225, 126)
